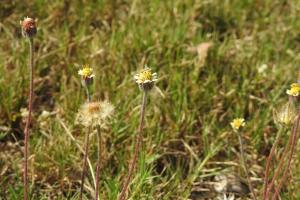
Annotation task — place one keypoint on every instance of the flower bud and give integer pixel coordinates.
(28, 27)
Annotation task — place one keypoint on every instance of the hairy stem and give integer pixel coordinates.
(245, 165)
(281, 164)
(98, 163)
(88, 95)
(86, 149)
(293, 147)
(26, 132)
(269, 159)
(138, 141)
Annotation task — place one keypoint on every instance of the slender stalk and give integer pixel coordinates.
(98, 163)
(26, 132)
(138, 141)
(269, 159)
(293, 147)
(88, 96)
(86, 149)
(244, 165)
(281, 163)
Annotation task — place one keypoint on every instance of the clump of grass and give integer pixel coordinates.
(236, 124)
(145, 80)
(29, 31)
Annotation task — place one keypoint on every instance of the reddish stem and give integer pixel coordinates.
(98, 163)
(86, 149)
(281, 163)
(138, 141)
(269, 159)
(294, 144)
(26, 131)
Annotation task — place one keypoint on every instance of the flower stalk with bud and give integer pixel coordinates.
(145, 80)
(287, 116)
(92, 115)
(29, 30)
(87, 79)
(236, 125)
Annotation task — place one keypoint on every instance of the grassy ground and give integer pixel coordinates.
(254, 56)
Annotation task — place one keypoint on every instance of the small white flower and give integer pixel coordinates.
(145, 79)
(262, 69)
(86, 72)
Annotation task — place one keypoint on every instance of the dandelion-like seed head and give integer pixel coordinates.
(285, 115)
(237, 123)
(294, 90)
(146, 79)
(28, 27)
(95, 113)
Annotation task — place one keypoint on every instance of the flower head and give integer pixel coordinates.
(237, 123)
(145, 79)
(285, 115)
(295, 90)
(86, 72)
(28, 27)
(95, 113)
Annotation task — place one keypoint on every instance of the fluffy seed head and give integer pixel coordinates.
(285, 115)
(146, 79)
(95, 113)
(237, 123)
(28, 27)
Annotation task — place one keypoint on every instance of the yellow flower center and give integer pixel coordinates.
(145, 75)
(87, 71)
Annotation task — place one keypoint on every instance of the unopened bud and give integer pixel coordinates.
(28, 27)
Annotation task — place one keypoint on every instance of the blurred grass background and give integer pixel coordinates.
(252, 56)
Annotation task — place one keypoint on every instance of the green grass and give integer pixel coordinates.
(187, 128)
